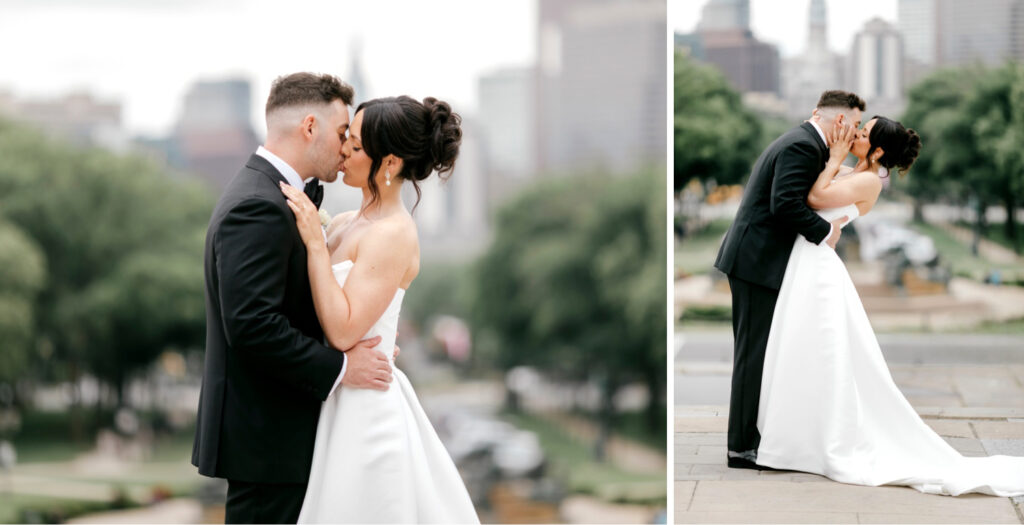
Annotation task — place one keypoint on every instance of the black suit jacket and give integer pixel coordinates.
(774, 209)
(266, 369)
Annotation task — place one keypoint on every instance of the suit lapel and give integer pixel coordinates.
(264, 166)
(815, 136)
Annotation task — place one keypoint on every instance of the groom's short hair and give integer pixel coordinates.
(841, 99)
(307, 88)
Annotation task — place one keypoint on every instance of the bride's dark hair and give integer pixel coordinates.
(899, 144)
(426, 136)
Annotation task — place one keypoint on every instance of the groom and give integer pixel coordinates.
(756, 250)
(267, 369)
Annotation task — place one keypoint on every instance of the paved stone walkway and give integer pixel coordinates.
(979, 409)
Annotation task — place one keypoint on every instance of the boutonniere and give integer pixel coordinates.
(325, 218)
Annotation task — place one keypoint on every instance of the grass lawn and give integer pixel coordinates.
(46, 450)
(573, 461)
(11, 506)
(696, 254)
(995, 232)
(49, 451)
(959, 255)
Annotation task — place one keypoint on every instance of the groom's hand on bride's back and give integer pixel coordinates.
(366, 368)
(837, 231)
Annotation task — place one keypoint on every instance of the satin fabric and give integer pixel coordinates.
(829, 405)
(377, 458)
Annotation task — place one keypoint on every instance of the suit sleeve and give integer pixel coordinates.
(252, 249)
(795, 173)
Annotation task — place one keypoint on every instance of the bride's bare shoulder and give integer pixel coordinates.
(397, 232)
(341, 220)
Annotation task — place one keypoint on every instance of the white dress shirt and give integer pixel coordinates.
(295, 180)
(832, 229)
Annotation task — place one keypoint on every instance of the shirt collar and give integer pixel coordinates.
(289, 172)
(820, 132)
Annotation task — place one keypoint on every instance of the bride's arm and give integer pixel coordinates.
(822, 194)
(384, 254)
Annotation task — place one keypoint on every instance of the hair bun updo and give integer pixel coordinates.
(909, 154)
(425, 135)
(445, 135)
(899, 144)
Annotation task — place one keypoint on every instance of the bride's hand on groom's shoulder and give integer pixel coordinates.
(307, 218)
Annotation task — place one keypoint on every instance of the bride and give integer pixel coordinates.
(377, 459)
(828, 403)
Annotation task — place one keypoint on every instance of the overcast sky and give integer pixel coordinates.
(146, 53)
(784, 22)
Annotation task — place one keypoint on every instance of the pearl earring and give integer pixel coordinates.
(387, 177)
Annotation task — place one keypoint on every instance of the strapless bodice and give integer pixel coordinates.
(387, 326)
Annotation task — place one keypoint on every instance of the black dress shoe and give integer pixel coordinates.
(737, 462)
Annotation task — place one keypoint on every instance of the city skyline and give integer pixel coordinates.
(784, 22)
(146, 57)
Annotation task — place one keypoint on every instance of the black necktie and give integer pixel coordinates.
(315, 192)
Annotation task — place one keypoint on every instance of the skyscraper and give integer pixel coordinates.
(723, 39)
(600, 84)
(987, 31)
(955, 32)
(507, 120)
(813, 71)
(214, 135)
(916, 21)
(724, 15)
(876, 67)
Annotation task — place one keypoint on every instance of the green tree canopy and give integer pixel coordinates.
(971, 122)
(24, 275)
(573, 283)
(123, 244)
(716, 138)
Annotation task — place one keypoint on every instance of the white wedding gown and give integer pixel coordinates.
(377, 459)
(829, 405)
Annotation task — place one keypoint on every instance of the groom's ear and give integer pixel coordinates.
(308, 126)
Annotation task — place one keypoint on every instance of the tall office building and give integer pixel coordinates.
(986, 31)
(957, 32)
(876, 67)
(724, 15)
(813, 71)
(507, 121)
(916, 21)
(214, 135)
(600, 84)
(724, 40)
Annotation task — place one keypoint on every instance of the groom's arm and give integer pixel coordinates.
(252, 248)
(795, 171)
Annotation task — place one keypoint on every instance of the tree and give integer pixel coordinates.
(997, 108)
(23, 277)
(123, 243)
(716, 138)
(970, 121)
(573, 284)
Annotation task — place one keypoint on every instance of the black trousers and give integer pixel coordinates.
(263, 502)
(752, 308)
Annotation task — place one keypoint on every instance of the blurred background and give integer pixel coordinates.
(938, 261)
(535, 333)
